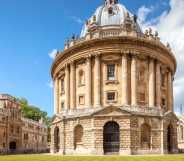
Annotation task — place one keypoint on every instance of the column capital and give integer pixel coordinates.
(158, 62)
(88, 57)
(97, 54)
(72, 63)
(55, 78)
(151, 59)
(66, 65)
(124, 53)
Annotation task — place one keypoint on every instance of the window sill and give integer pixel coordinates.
(62, 93)
(111, 82)
(81, 85)
(163, 88)
(111, 102)
(82, 104)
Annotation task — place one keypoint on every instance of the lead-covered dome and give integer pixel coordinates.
(110, 14)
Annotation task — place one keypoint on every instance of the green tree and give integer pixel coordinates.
(33, 112)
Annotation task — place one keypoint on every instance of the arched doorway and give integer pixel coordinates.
(170, 138)
(56, 139)
(78, 136)
(145, 136)
(111, 138)
(12, 146)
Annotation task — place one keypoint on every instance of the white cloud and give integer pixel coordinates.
(143, 12)
(50, 84)
(53, 53)
(77, 19)
(170, 25)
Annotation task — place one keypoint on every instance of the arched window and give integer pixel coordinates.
(78, 136)
(81, 77)
(145, 136)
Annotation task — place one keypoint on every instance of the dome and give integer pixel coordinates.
(110, 14)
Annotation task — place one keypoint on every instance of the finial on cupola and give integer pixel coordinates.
(111, 2)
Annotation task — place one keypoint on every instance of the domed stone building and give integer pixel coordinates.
(113, 89)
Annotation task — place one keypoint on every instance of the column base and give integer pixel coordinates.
(125, 152)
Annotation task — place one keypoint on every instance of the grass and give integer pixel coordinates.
(90, 158)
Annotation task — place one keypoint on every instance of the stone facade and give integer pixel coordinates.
(18, 134)
(113, 90)
(181, 132)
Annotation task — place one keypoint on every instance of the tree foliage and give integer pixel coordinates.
(33, 112)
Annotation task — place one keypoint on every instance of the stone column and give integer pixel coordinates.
(134, 80)
(124, 79)
(59, 97)
(88, 82)
(170, 92)
(151, 83)
(162, 137)
(61, 137)
(158, 85)
(52, 148)
(72, 86)
(97, 93)
(56, 95)
(67, 88)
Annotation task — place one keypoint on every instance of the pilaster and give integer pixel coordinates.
(67, 88)
(88, 82)
(151, 83)
(169, 91)
(97, 94)
(72, 86)
(56, 95)
(124, 79)
(134, 81)
(158, 85)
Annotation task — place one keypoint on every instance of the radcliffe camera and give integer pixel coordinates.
(110, 87)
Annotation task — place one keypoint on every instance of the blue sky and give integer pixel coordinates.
(30, 29)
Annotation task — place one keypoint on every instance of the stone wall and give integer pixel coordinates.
(130, 134)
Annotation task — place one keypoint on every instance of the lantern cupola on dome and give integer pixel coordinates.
(111, 14)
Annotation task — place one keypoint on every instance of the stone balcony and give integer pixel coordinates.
(115, 31)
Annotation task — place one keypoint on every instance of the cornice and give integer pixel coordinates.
(120, 45)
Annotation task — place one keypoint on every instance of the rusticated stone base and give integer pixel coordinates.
(90, 137)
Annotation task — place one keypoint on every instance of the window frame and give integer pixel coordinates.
(115, 97)
(62, 103)
(62, 83)
(109, 75)
(81, 79)
(81, 104)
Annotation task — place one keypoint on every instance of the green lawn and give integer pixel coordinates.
(89, 158)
